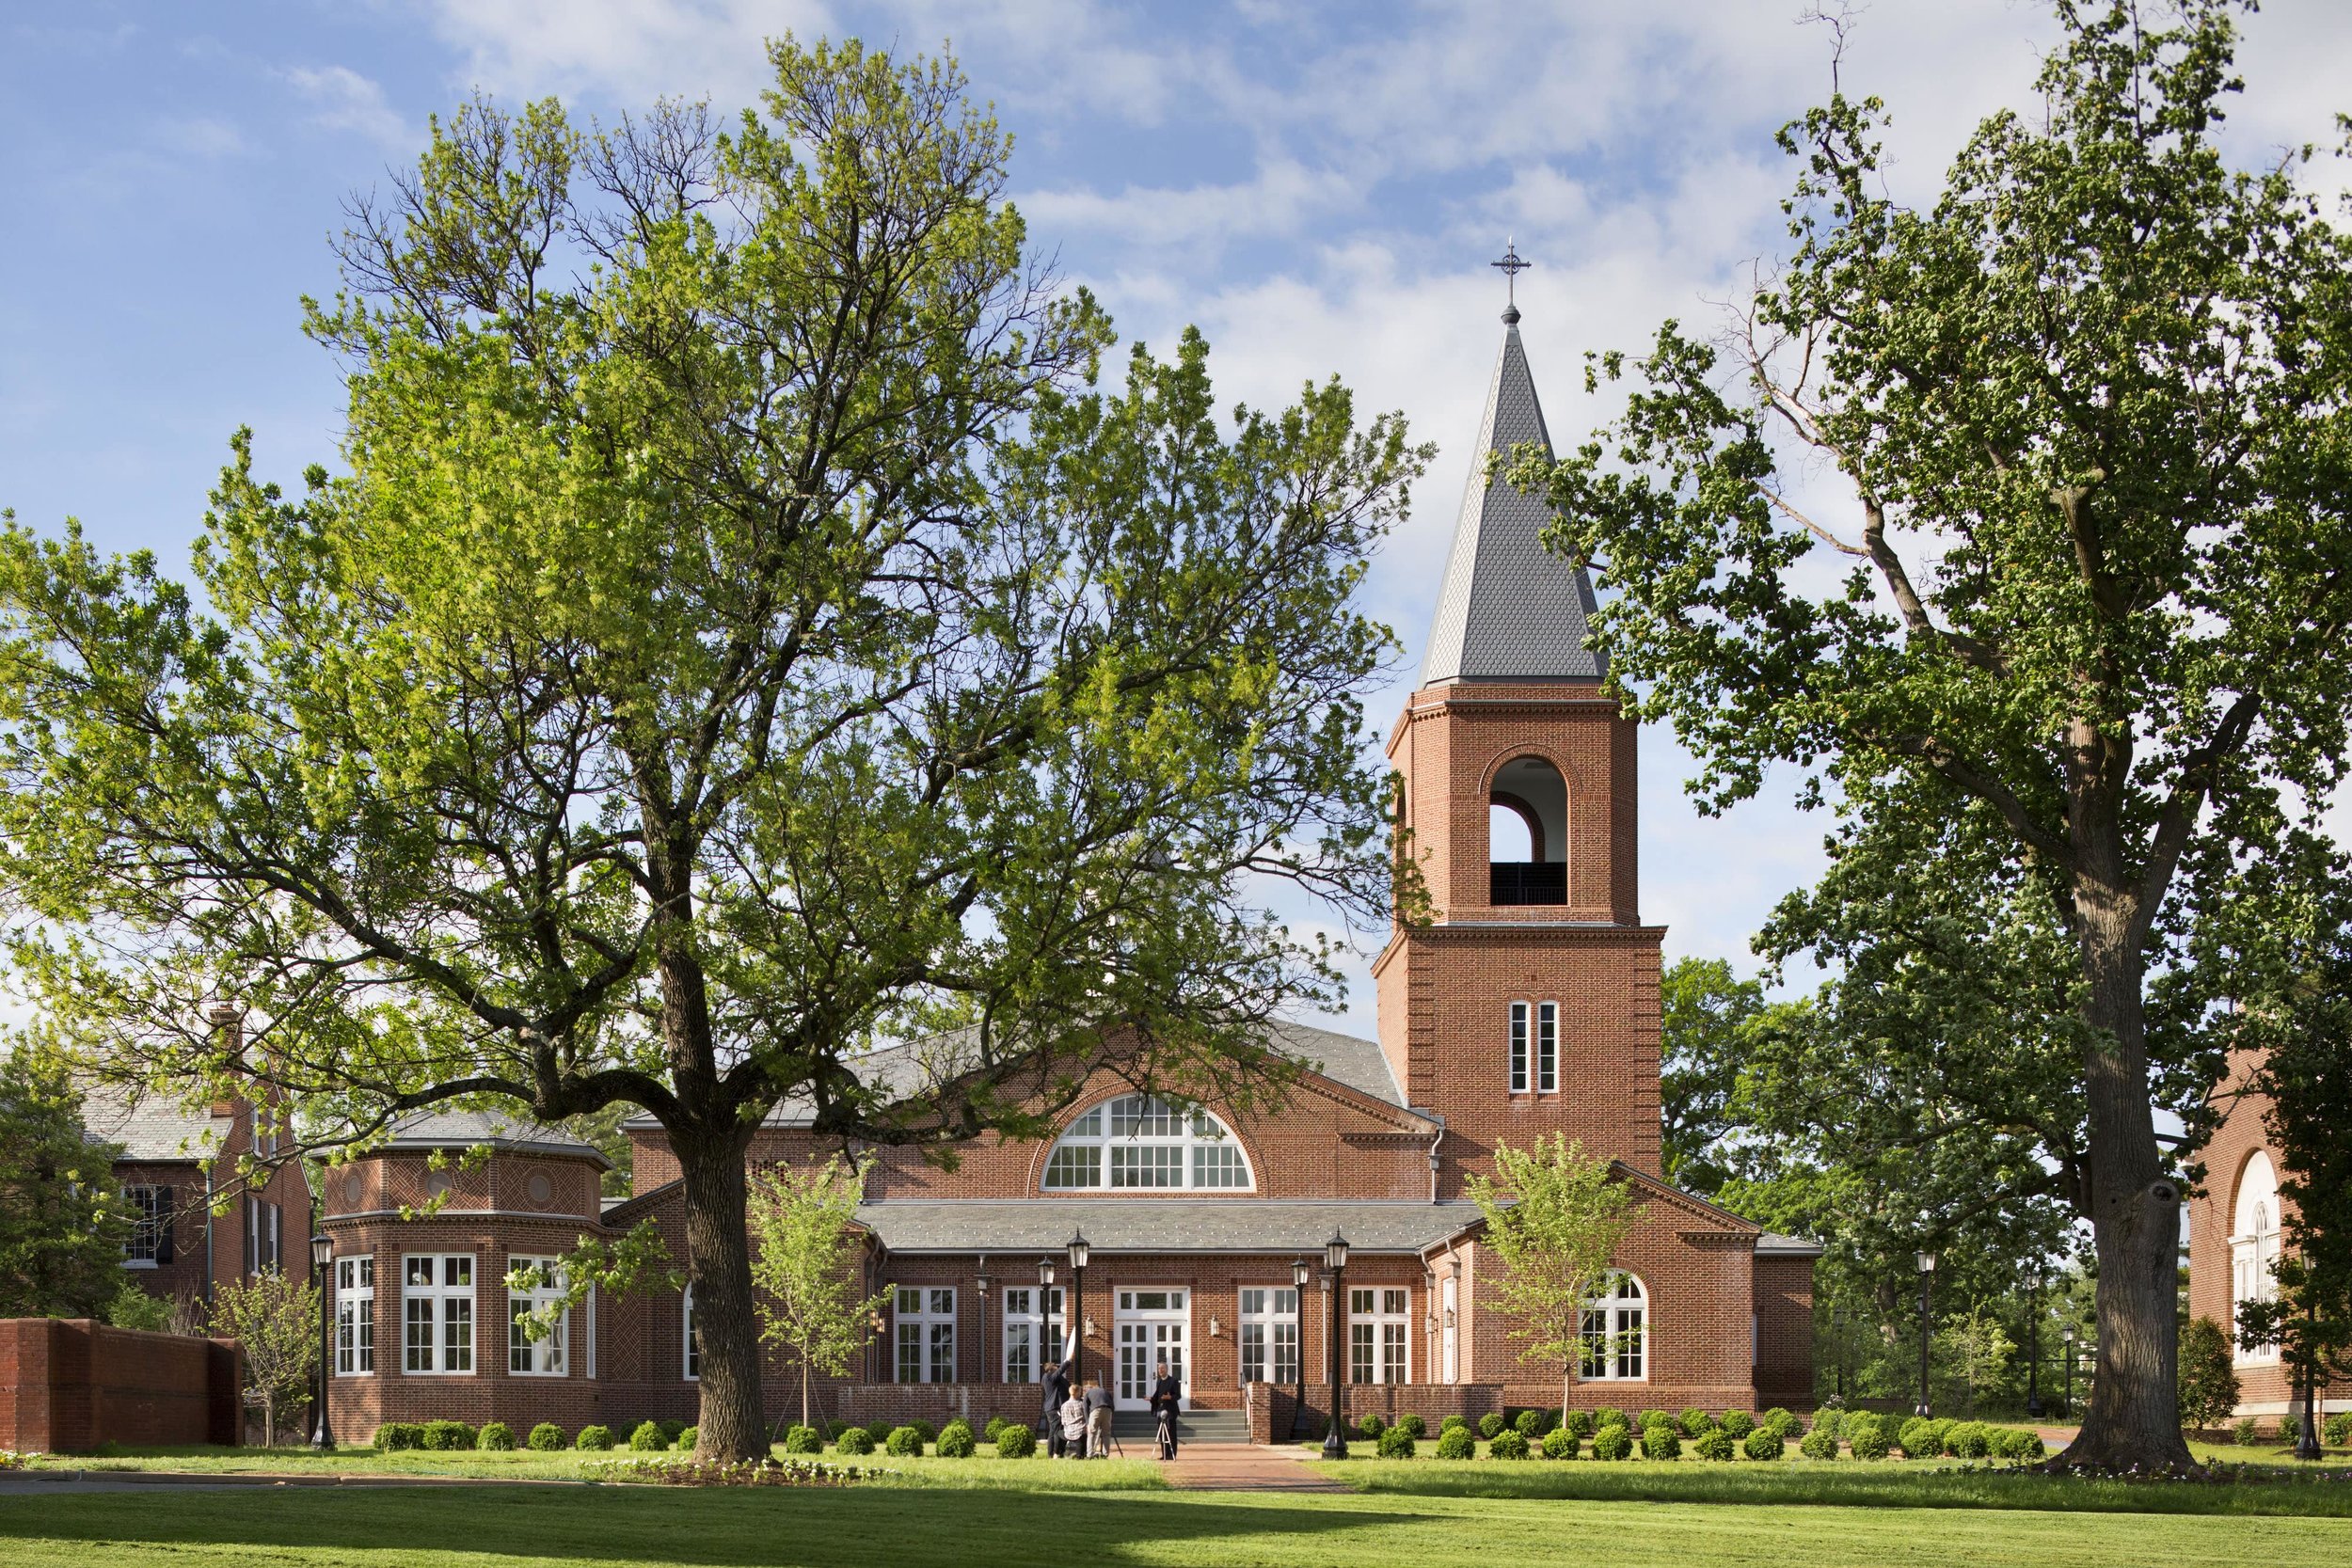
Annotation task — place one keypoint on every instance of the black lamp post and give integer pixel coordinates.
(2033, 1341)
(1335, 1259)
(2069, 1337)
(1300, 1269)
(979, 1283)
(2307, 1438)
(1926, 1260)
(323, 1258)
(1078, 1250)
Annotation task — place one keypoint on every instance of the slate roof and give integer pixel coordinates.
(1788, 1246)
(428, 1130)
(149, 1127)
(1508, 609)
(1162, 1224)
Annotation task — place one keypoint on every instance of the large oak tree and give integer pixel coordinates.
(2076, 618)
(742, 635)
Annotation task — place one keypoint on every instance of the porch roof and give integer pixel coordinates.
(1163, 1224)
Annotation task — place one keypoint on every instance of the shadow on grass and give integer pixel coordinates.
(1889, 1484)
(694, 1529)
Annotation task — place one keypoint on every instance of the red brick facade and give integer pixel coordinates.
(208, 1249)
(2238, 1155)
(68, 1385)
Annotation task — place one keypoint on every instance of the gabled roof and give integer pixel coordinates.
(1509, 609)
(151, 1126)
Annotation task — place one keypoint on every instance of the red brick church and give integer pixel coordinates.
(1528, 1004)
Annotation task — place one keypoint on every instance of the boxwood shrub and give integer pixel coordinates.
(448, 1436)
(800, 1439)
(955, 1440)
(1764, 1443)
(594, 1437)
(1560, 1443)
(2016, 1443)
(1412, 1425)
(1509, 1443)
(904, 1442)
(1832, 1420)
(1714, 1443)
(1579, 1422)
(1532, 1424)
(1821, 1443)
(1453, 1423)
(1610, 1415)
(1372, 1425)
(497, 1437)
(648, 1437)
(1919, 1438)
(1397, 1443)
(1969, 1440)
(2248, 1432)
(1456, 1443)
(1649, 1418)
(1783, 1421)
(1737, 1424)
(855, 1440)
(1614, 1440)
(1660, 1440)
(1864, 1433)
(547, 1438)
(1490, 1425)
(880, 1432)
(684, 1442)
(395, 1436)
(2336, 1429)
(1015, 1441)
(1695, 1422)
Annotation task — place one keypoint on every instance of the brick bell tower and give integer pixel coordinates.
(1527, 1004)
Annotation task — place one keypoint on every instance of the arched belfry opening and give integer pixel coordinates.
(1528, 834)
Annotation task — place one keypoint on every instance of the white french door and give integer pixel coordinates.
(1152, 1327)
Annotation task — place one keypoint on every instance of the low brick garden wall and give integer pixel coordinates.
(69, 1385)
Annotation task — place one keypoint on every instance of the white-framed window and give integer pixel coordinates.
(1032, 1338)
(354, 1315)
(1269, 1333)
(690, 1345)
(924, 1324)
(264, 1242)
(526, 1356)
(1616, 1331)
(1141, 1141)
(1547, 1048)
(1377, 1342)
(150, 1242)
(437, 1311)
(1518, 1048)
(2254, 1250)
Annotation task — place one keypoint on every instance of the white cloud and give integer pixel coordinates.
(342, 100)
(633, 51)
(1280, 201)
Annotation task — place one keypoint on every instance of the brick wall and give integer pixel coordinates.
(68, 1385)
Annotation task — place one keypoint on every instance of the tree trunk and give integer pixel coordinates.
(804, 1421)
(2134, 1414)
(731, 1423)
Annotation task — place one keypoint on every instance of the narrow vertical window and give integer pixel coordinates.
(1547, 1048)
(1518, 1048)
(354, 1316)
(542, 1290)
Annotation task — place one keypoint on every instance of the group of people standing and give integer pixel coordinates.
(1078, 1416)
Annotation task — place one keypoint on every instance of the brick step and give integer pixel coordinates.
(1192, 1426)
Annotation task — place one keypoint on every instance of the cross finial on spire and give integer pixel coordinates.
(1512, 265)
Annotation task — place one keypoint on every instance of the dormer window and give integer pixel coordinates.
(1141, 1142)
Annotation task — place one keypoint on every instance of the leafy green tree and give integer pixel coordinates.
(274, 1321)
(63, 1220)
(1555, 1217)
(1704, 1010)
(2088, 413)
(2209, 1387)
(804, 1262)
(744, 635)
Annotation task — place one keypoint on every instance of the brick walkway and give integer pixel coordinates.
(1244, 1467)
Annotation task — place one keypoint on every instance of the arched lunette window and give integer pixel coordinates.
(1142, 1141)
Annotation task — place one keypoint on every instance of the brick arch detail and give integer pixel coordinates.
(1570, 783)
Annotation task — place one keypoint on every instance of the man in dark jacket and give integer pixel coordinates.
(1167, 1395)
(1055, 1384)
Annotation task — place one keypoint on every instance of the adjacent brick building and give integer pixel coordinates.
(1526, 1005)
(2233, 1231)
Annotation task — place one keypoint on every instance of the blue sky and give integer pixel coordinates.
(1318, 186)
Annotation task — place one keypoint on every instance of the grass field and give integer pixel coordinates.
(904, 1526)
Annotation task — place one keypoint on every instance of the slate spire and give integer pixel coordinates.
(1508, 610)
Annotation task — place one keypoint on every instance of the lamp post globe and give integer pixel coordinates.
(1078, 1250)
(1335, 1257)
(322, 1259)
